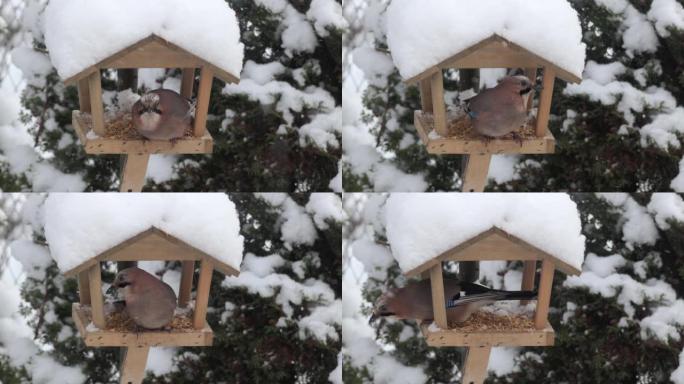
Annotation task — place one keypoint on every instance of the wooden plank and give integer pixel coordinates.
(475, 369)
(188, 82)
(100, 145)
(187, 272)
(438, 302)
(454, 146)
(496, 53)
(544, 299)
(133, 366)
(529, 275)
(84, 95)
(147, 53)
(202, 297)
(96, 105)
(461, 252)
(108, 338)
(496, 246)
(203, 94)
(538, 60)
(476, 170)
(544, 108)
(96, 300)
(426, 96)
(84, 288)
(487, 338)
(134, 171)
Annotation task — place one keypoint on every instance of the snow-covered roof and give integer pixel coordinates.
(80, 34)
(422, 34)
(420, 227)
(81, 226)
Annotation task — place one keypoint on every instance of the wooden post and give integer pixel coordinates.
(438, 302)
(84, 96)
(96, 301)
(529, 272)
(96, 106)
(544, 108)
(426, 95)
(476, 170)
(544, 299)
(475, 369)
(133, 367)
(202, 108)
(186, 283)
(84, 288)
(531, 74)
(134, 171)
(202, 298)
(188, 82)
(438, 105)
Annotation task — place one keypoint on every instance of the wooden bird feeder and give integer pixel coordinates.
(150, 52)
(152, 244)
(433, 123)
(493, 244)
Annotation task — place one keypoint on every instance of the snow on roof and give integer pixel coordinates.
(80, 226)
(420, 227)
(81, 33)
(424, 33)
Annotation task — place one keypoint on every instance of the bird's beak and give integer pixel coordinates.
(111, 289)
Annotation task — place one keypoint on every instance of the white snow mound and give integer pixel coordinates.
(80, 226)
(81, 33)
(420, 227)
(424, 33)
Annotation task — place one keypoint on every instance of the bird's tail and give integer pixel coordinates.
(494, 295)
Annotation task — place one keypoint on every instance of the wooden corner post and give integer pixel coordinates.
(529, 272)
(134, 171)
(544, 298)
(96, 300)
(544, 109)
(185, 289)
(133, 367)
(202, 107)
(475, 368)
(475, 172)
(202, 298)
(438, 104)
(438, 302)
(96, 104)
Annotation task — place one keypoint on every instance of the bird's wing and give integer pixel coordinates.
(479, 297)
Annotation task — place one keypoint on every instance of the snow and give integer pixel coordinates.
(79, 34)
(677, 183)
(677, 375)
(638, 226)
(326, 14)
(502, 168)
(421, 34)
(422, 226)
(335, 376)
(665, 207)
(325, 207)
(666, 14)
(79, 227)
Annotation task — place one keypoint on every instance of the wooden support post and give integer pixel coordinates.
(84, 288)
(188, 82)
(531, 74)
(202, 298)
(438, 105)
(544, 108)
(426, 95)
(529, 272)
(475, 369)
(438, 302)
(476, 170)
(96, 105)
(186, 283)
(133, 367)
(96, 301)
(544, 299)
(134, 171)
(84, 95)
(202, 108)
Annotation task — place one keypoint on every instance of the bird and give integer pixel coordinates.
(163, 114)
(414, 301)
(150, 302)
(498, 111)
